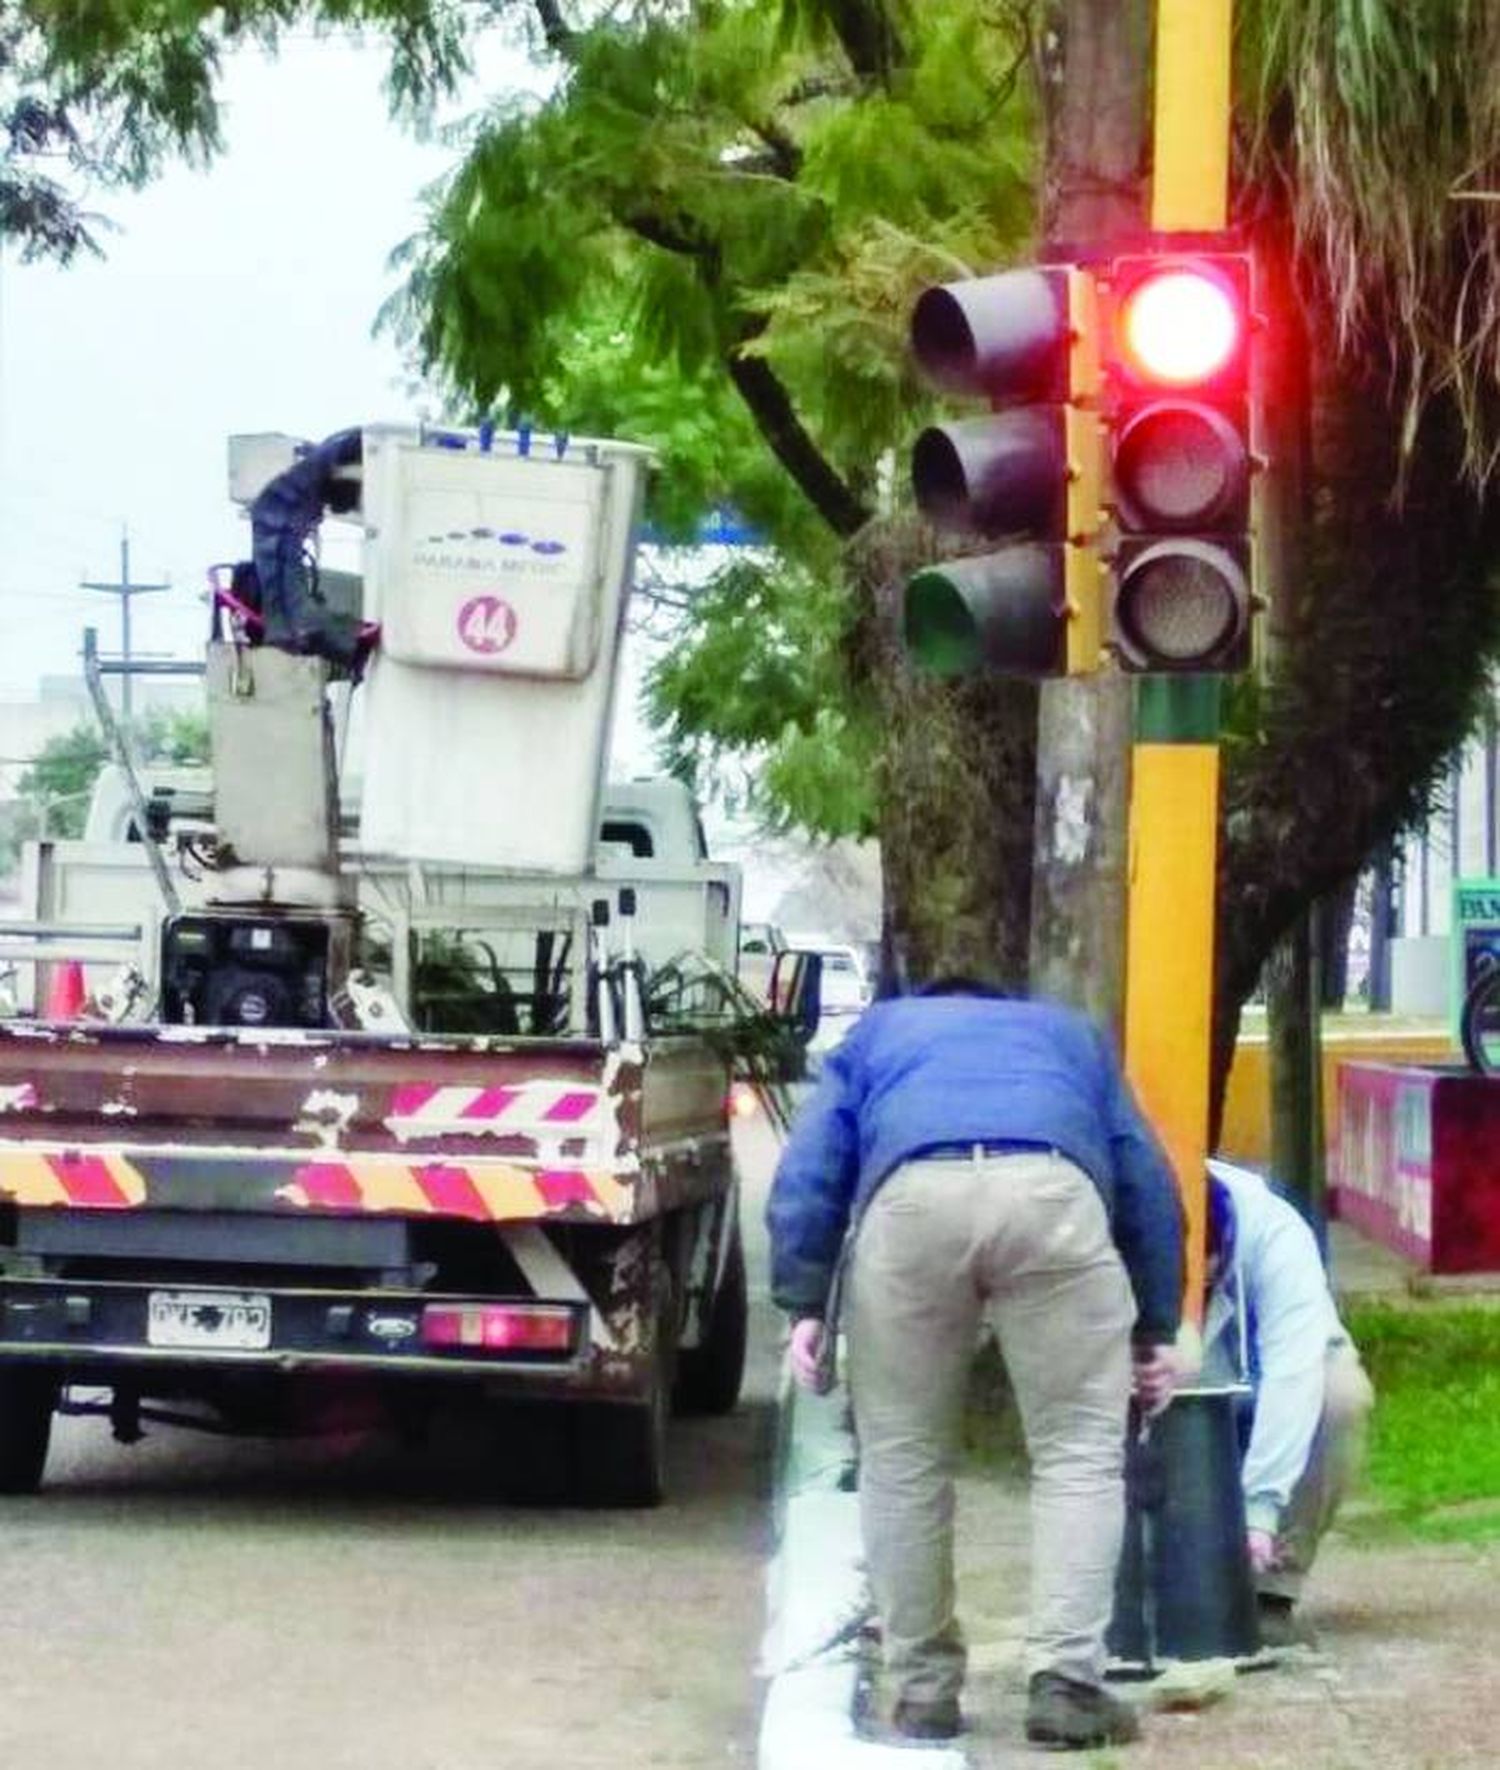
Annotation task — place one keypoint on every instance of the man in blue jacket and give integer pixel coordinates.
(983, 1157)
(1271, 1319)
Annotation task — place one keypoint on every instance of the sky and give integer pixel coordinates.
(241, 298)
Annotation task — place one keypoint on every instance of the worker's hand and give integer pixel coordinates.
(1156, 1376)
(805, 1350)
(1260, 1549)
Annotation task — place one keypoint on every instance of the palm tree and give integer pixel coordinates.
(1369, 130)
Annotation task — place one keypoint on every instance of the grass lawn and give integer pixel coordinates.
(1433, 1469)
(1434, 1460)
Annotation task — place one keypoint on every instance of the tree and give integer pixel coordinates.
(55, 789)
(56, 786)
(94, 96)
(709, 237)
(756, 191)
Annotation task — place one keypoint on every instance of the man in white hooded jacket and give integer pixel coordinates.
(1271, 1318)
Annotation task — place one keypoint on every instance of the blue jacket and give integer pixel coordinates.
(918, 1071)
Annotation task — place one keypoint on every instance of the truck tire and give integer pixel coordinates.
(620, 1453)
(27, 1398)
(620, 1448)
(709, 1374)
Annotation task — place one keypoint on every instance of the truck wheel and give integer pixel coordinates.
(620, 1453)
(709, 1374)
(27, 1398)
(620, 1448)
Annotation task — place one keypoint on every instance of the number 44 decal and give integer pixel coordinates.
(486, 624)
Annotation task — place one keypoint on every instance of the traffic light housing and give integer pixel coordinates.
(1027, 474)
(1177, 368)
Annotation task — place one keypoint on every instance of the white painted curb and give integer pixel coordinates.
(818, 1599)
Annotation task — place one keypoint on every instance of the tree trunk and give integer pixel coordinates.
(1295, 1066)
(956, 791)
(1094, 59)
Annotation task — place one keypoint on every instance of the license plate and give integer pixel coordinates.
(228, 1321)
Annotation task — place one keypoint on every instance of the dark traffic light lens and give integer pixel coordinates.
(1180, 466)
(1181, 605)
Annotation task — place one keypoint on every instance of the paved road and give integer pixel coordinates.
(227, 1604)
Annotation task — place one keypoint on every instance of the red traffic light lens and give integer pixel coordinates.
(1180, 328)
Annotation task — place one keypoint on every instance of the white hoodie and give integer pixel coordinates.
(1292, 1321)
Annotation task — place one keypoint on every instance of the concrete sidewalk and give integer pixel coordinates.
(1403, 1678)
(1403, 1675)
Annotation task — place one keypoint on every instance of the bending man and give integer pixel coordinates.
(984, 1157)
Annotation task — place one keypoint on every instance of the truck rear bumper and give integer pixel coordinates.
(96, 1330)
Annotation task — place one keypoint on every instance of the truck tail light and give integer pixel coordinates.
(497, 1327)
(743, 1102)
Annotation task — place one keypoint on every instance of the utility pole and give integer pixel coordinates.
(124, 589)
(1095, 61)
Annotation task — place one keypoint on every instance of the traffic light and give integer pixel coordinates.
(1178, 347)
(1027, 473)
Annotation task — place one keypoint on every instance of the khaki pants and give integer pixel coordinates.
(1022, 1239)
(1332, 1464)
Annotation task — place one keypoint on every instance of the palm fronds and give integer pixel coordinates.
(1382, 118)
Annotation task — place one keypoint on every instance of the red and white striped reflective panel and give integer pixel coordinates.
(527, 1107)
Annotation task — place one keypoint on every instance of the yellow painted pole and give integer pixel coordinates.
(1169, 959)
(1174, 801)
(1190, 158)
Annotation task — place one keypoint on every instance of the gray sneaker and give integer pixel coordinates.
(1067, 1716)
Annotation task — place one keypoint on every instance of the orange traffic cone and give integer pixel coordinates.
(65, 997)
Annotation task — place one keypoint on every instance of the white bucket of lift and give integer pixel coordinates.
(499, 582)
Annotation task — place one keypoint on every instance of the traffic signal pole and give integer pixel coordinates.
(1174, 799)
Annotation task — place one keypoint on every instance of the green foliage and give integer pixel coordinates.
(172, 736)
(93, 96)
(58, 782)
(731, 190)
(1435, 1431)
(760, 669)
(708, 240)
(55, 789)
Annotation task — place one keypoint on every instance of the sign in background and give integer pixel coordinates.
(1475, 940)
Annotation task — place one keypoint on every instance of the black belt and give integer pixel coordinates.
(952, 1152)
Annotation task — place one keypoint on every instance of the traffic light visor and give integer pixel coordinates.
(1005, 337)
(1002, 611)
(1180, 327)
(1004, 474)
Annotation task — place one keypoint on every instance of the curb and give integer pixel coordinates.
(818, 1601)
